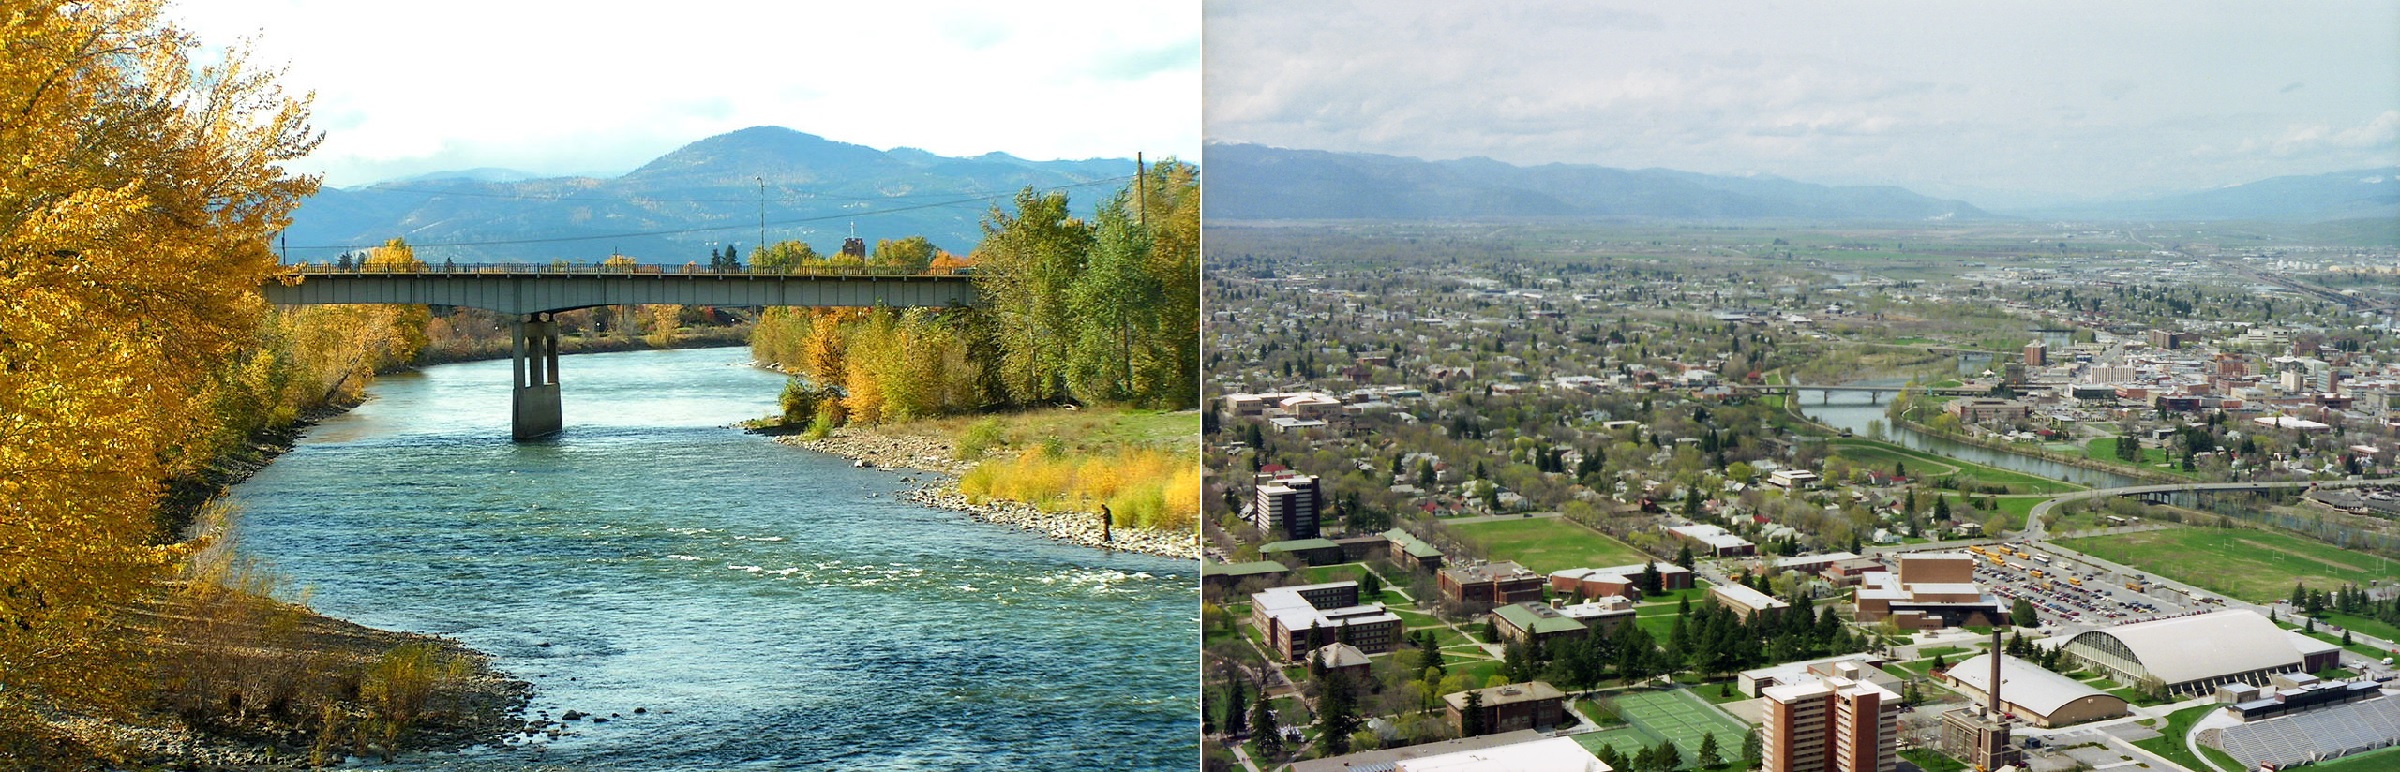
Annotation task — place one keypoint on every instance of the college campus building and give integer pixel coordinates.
(1929, 592)
(1507, 708)
(1621, 581)
(2241, 647)
(1856, 667)
(1714, 541)
(1494, 583)
(1746, 602)
(1534, 621)
(1830, 724)
(1287, 503)
(2032, 694)
(1297, 620)
(1226, 576)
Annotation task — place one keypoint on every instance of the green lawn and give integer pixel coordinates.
(2104, 450)
(1548, 544)
(1932, 760)
(1673, 714)
(1922, 465)
(2371, 761)
(2169, 742)
(2254, 565)
(2363, 625)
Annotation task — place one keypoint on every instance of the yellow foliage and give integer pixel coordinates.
(134, 219)
(1141, 487)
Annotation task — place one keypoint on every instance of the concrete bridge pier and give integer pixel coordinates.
(535, 412)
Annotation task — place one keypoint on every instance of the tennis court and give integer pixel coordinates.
(1674, 714)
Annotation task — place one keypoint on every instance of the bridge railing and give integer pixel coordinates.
(597, 269)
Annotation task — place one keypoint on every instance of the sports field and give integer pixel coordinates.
(1547, 544)
(2252, 565)
(1673, 714)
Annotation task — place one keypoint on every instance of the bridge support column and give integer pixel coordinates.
(1874, 398)
(535, 413)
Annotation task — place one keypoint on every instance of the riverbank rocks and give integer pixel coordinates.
(1073, 527)
(872, 450)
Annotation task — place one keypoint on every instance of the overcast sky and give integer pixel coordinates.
(601, 87)
(2071, 99)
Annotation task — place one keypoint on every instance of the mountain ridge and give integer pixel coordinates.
(680, 206)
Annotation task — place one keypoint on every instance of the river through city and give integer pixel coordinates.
(1854, 411)
(765, 607)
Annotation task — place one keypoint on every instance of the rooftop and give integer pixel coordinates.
(1251, 568)
(1508, 694)
(2239, 641)
(2022, 683)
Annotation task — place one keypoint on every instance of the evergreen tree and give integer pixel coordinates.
(1471, 717)
(1370, 586)
(1337, 717)
(1669, 756)
(1651, 582)
(1683, 557)
(1262, 730)
(1233, 707)
(1710, 755)
(1751, 747)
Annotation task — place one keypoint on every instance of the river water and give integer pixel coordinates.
(770, 607)
(1855, 412)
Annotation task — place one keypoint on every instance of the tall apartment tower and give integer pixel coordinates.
(2037, 354)
(1832, 724)
(1289, 502)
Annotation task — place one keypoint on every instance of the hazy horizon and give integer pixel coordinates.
(2005, 107)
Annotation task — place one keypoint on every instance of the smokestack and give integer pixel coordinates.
(1996, 655)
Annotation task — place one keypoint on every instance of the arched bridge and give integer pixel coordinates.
(534, 293)
(2033, 520)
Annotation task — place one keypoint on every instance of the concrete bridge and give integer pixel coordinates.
(536, 293)
(1874, 393)
(2158, 493)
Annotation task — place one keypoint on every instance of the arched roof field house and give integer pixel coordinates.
(2193, 654)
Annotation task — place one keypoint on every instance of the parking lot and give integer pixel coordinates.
(2064, 590)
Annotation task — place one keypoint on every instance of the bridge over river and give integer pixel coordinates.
(535, 293)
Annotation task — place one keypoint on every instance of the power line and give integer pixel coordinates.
(713, 228)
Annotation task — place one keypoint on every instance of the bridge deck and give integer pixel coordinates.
(535, 288)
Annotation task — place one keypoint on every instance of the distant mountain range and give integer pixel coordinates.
(1257, 182)
(2365, 193)
(1251, 182)
(681, 205)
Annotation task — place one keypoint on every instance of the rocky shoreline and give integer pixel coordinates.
(937, 457)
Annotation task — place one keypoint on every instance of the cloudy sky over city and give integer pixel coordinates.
(580, 87)
(1987, 101)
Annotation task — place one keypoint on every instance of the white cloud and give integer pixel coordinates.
(2048, 96)
(564, 87)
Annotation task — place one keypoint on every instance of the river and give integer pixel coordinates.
(769, 607)
(1854, 411)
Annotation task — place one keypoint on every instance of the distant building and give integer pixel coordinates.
(1494, 583)
(1531, 705)
(1929, 592)
(1314, 552)
(2037, 354)
(1717, 542)
(1229, 575)
(1289, 503)
(1300, 619)
(1618, 580)
(2037, 696)
(1792, 479)
(1987, 410)
(1832, 724)
(1746, 602)
(2168, 339)
(1410, 551)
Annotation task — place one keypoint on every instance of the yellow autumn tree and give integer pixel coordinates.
(135, 209)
